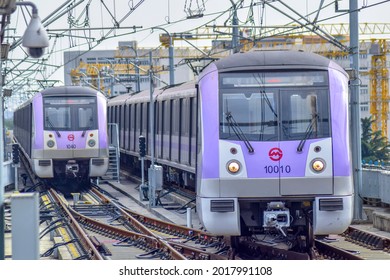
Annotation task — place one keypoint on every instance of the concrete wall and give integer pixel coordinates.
(376, 184)
(9, 172)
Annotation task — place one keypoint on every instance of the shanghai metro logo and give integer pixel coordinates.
(275, 154)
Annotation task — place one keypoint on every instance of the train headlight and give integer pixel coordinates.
(318, 165)
(50, 143)
(233, 166)
(91, 143)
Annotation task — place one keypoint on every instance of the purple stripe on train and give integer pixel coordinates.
(210, 119)
(102, 113)
(339, 116)
(38, 122)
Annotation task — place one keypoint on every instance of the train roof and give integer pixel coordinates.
(179, 90)
(64, 90)
(268, 59)
(69, 90)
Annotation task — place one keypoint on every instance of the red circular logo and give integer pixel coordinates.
(275, 154)
(70, 137)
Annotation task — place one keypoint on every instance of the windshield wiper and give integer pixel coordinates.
(52, 126)
(88, 127)
(237, 130)
(308, 132)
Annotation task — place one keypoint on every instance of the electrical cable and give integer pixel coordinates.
(50, 251)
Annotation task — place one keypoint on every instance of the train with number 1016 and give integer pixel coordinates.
(263, 139)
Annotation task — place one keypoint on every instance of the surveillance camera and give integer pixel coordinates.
(35, 38)
(35, 52)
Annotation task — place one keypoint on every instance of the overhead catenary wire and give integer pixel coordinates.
(46, 70)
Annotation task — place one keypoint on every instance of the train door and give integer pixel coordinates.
(305, 142)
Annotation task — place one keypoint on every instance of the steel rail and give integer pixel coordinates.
(328, 251)
(167, 226)
(81, 234)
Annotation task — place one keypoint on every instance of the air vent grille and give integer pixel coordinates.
(222, 205)
(331, 204)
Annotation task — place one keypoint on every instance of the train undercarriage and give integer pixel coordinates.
(286, 225)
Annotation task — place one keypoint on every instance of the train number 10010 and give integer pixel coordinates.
(270, 169)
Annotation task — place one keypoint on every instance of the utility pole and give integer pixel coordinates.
(171, 56)
(2, 225)
(151, 171)
(171, 63)
(235, 40)
(136, 66)
(138, 86)
(355, 108)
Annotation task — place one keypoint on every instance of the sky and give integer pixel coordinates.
(170, 15)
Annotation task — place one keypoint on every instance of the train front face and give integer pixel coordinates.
(70, 141)
(275, 156)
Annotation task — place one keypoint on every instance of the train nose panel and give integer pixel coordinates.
(313, 168)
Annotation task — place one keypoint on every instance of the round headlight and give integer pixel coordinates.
(233, 166)
(91, 143)
(318, 165)
(50, 143)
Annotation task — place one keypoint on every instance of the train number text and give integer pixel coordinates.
(270, 169)
(71, 146)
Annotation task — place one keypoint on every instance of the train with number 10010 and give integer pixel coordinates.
(263, 139)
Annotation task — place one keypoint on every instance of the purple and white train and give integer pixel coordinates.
(63, 133)
(263, 138)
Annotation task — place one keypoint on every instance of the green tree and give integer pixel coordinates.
(374, 145)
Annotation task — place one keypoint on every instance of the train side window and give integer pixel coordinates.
(116, 114)
(167, 129)
(141, 119)
(127, 127)
(121, 125)
(145, 127)
(138, 120)
(123, 121)
(132, 127)
(176, 117)
(167, 116)
(185, 112)
(159, 121)
(145, 122)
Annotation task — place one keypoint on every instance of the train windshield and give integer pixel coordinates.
(277, 106)
(70, 113)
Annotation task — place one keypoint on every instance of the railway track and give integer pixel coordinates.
(116, 233)
(364, 243)
(106, 231)
(101, 228)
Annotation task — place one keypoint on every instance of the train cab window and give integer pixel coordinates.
(274, 106)
(70, 113)
(304, 112)
(58, 118)
(251, 112)
(86, 118)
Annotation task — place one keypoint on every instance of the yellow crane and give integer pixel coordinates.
(379, 85)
